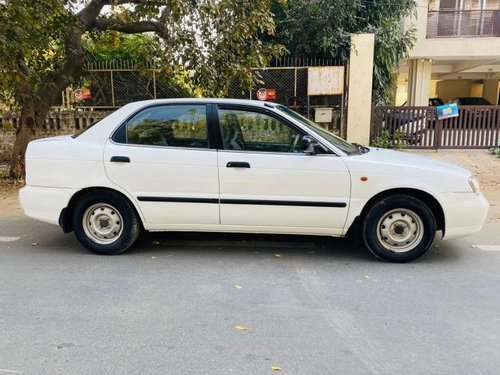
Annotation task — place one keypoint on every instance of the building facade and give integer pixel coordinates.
(456, 54)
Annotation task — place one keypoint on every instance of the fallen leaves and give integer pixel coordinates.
(8, 238)
(237, 286)
(275, 368)
(278, 255)
(241, 328)
(154, 257)
(11, 371)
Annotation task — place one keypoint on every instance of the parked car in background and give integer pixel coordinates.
(412, 122)
(471, 101)
(434, 102)
(241, 166)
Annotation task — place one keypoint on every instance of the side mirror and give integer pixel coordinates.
(309, 145)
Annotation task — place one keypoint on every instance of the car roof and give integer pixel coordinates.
(257, 103)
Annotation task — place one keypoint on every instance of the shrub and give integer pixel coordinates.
(395, 140)
(495, 151)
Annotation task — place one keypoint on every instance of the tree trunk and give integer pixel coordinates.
(38, 101)
(25, 132)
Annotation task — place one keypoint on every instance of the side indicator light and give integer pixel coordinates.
(364, 179)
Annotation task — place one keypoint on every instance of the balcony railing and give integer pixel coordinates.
(463, 23)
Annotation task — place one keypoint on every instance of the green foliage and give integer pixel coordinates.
(229, 42)
(7, 126)
(387, 140)
(215, 41)
(322, 29)
(113, 46)
(495, 151)
(31, 35)
(141, 49)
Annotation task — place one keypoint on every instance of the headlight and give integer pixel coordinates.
(474, 184)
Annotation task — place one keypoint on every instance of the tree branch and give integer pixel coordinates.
(128, 28)
(88, 14)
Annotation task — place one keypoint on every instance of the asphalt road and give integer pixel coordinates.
(171, 304)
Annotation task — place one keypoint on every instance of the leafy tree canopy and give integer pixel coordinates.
(41, 50)
(112, 46)
(143, 51)
(39, 40)
(322, 29)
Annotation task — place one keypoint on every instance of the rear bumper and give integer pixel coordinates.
(43, 203)
(464, 213)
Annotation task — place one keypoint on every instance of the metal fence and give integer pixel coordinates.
(475, 127)
(113, 84)
(289, 77)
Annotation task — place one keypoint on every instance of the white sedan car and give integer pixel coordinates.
(241, 166)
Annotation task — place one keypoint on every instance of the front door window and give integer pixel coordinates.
(254, 131)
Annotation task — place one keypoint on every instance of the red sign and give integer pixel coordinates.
(266, 94)
(82, 94)
(271, 94)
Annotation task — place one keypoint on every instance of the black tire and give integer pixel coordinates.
(118, 207)
(410, 216)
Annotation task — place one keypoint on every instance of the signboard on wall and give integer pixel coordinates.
(447, 111)
(325, 80)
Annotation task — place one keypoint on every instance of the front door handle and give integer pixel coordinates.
(120, 159)
(237, 164)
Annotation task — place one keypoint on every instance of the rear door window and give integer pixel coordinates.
(169, 126)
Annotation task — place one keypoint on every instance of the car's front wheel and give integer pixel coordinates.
(399, 228)
(105, 222)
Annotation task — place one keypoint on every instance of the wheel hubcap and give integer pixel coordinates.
(400, 230)
(102, 223)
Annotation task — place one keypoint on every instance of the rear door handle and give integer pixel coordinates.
(120, 159)
(237, 164)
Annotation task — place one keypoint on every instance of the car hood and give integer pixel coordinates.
(398, 159)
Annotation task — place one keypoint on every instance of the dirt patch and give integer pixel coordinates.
(9, 201)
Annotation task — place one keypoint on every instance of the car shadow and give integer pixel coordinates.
(249, 243)
(50, 239)
(341, 249)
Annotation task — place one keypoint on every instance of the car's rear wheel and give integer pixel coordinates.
(399, 228)
(105, 222)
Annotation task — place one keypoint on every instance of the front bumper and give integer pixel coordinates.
(464, 213)
(44, 203)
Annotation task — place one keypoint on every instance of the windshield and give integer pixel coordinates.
(338, 142)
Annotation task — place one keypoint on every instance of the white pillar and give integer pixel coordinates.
(419, 82)
(490, 90)
(359, 107)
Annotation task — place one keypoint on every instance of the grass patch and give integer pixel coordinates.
(495, 151)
